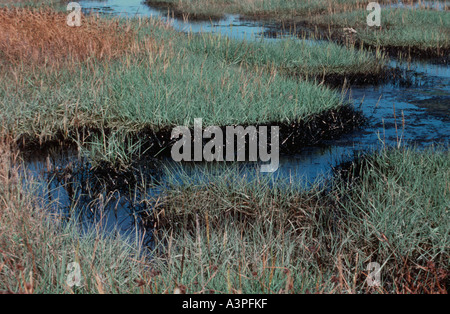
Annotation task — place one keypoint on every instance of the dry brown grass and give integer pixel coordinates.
(15, 219)
(43, 36)
(4, 162)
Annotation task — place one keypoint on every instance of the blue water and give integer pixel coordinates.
(231, 25)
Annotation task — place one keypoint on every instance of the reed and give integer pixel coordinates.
(44, 37)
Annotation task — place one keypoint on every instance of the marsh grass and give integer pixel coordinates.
(227, 233)
(141, 94)
(223, 233)
(400, 205)
(299, 58)
(401, 29)
(266, 9)
(153, 78)
(244, 235)
(36, 245)
(416, 31)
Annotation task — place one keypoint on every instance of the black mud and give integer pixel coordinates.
(386, 75)
(294, 137)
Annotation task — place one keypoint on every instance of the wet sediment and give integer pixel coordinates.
(294, 136)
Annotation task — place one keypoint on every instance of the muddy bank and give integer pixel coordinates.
(319, 31)
(435, 55)
(294, 137)
(385, 76)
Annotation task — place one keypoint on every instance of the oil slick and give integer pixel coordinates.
(213, 150)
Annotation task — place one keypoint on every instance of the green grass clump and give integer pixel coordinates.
(246, 234)
(291, 56)
(397, 214)
(416, 28)
(158, 95)
(35, 258)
